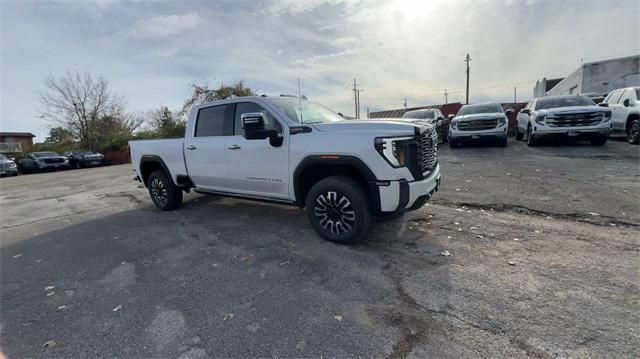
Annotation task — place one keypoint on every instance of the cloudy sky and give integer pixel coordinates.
(151, 51)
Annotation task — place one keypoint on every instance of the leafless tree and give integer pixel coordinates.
(80, 103)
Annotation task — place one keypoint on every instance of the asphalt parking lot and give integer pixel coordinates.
(525, 252)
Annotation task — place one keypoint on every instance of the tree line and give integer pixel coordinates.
(85, 113)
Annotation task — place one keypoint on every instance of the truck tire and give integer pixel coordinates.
(519, 135)
(598, 141)
(531, 140)
(453, 143)
(633, 132)
(338, 209)
(502, 142)
(164, 194)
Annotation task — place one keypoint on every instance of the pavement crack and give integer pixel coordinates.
(600, 220)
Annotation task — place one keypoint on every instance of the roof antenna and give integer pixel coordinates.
(300, 101)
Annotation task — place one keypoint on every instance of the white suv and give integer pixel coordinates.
(625, 108)
(293, 151)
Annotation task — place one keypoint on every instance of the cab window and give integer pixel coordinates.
(246, 107)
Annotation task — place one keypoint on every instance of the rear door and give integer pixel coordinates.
(256, 168)
(205, 147)
(617, 110)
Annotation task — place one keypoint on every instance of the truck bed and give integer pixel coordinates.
(169, 150)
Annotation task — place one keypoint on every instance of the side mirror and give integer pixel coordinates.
(509, 111)
(603, 104)
(526, 111)
(626, 103)
(254, 129)
(12, 159)
(340, 114)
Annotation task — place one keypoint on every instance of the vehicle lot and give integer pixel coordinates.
(230, 278)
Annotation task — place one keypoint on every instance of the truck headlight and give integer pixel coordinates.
(606, 116)
(454, 125)
(394, 149)
(540, 119)
(502, 121)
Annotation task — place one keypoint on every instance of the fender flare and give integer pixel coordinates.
(333, 159)
(154, 159)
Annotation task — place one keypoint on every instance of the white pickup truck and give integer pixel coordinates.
(293, 151)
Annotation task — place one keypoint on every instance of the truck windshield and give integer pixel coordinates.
(419, 114)
(473, 109)
(568, 101)
(308, 113)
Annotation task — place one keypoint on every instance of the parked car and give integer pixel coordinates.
(625, 113)
(297, 152)
(84, 158)
(8, 166)
(432, 117)
(483, 120)
(569, 117)
(43, 161)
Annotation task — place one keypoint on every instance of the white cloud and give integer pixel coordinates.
(160, 27)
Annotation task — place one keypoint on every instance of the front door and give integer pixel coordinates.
(256, 168)
(205, 148)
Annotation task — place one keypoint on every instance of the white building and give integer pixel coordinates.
(594, 77)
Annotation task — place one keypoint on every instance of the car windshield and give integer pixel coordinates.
(568, 101)
(82, 152)
(3, 157)
(473, 109)
(45, 154)
(420, 114)
(305, 112)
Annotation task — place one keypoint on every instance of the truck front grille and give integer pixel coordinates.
(427, 150)
(478, 125)
(574, 119)
(53, 160)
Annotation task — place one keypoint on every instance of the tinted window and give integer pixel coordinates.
(473, 109)
(210, 121)
(614, 97)
(246, 107)
(420, 114)
(556, 102)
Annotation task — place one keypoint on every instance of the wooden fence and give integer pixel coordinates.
(117, 157)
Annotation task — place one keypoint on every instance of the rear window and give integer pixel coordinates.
(210, 121)
(420, 114)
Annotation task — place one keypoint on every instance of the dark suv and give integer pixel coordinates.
(84, 158)
(43, 161)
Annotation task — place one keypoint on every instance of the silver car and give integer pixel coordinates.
(8, 167)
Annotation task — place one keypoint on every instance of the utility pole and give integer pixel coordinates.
(368, 112)
(467, 60)
(514, 95)
(358, 103)
(405, 103)
(446, 98)
(355, 96)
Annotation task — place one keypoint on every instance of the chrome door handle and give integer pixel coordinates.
(191, 147)
(234, 147)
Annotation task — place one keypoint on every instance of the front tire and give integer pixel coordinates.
(531, 140)
(164, 194)
(338, 209)
(598, 141)
(502, 142)
(633, 135)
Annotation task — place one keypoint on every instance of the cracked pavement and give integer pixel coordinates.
(542, 262)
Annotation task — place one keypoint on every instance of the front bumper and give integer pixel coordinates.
(92, 162)
(46, 166)
(579, 132)
(498, 132)
(9, 171)
(401, 195)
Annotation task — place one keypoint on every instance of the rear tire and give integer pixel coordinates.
(453, 143)
(633, 135)
(519, 135)
(338, 209)
(164, 194)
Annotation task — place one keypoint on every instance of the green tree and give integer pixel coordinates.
(163, 124)
(60, 138)
(201, 93)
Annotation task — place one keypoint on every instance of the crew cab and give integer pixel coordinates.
(569, 117)
(43, 161)
(84, 158)
(479, 121)
(625, 113)
(432, 116)
(293, 151)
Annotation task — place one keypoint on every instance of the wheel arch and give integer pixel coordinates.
(630, 118)
(317, 167)
(151, 163)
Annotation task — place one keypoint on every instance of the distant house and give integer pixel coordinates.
(15, 142)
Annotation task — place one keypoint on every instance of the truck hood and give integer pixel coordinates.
(479, 116)
(387, 126)
(572, 109)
